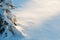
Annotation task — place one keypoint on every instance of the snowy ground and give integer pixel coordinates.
(40, 19)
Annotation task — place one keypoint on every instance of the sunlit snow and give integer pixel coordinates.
(40, 19)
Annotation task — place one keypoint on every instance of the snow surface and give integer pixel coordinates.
(40, 20)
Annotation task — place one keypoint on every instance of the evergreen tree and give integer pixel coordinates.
(7, 20)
